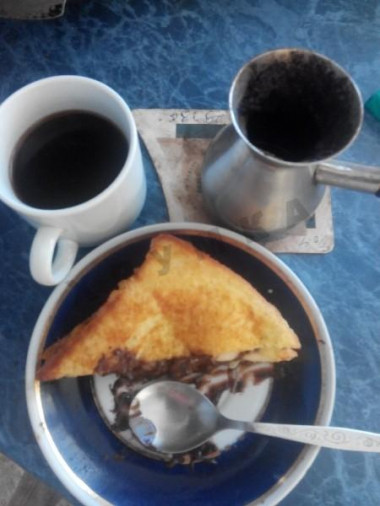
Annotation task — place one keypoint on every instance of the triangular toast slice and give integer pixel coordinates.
(179, 303)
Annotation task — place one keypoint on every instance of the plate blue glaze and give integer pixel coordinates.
(98, 468)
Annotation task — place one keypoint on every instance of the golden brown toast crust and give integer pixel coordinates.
(180, 302)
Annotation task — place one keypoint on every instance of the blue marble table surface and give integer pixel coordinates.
(184, 54)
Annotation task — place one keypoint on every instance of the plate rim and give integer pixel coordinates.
(77, 487)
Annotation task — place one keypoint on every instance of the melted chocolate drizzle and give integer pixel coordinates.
(209, 376)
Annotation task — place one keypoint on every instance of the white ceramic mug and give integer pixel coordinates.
(61, 231)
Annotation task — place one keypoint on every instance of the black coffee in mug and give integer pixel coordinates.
(66, 159)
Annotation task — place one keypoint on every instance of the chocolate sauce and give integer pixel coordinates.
(209, 376)
(126, 364)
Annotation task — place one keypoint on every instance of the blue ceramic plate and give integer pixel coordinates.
(99, 469)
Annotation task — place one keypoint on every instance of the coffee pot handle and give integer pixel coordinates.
(349, 175)
(51, 256)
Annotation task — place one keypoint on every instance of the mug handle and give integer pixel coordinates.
(51, 257)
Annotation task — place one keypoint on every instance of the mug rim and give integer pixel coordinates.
(270, 157)
(34, 212)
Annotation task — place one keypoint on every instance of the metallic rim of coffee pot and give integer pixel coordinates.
(283, 52)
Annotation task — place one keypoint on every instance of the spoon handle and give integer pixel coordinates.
(329, 437)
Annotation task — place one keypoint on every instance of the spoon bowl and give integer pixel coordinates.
(173, 417)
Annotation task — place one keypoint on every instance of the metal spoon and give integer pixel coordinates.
(174, 417)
